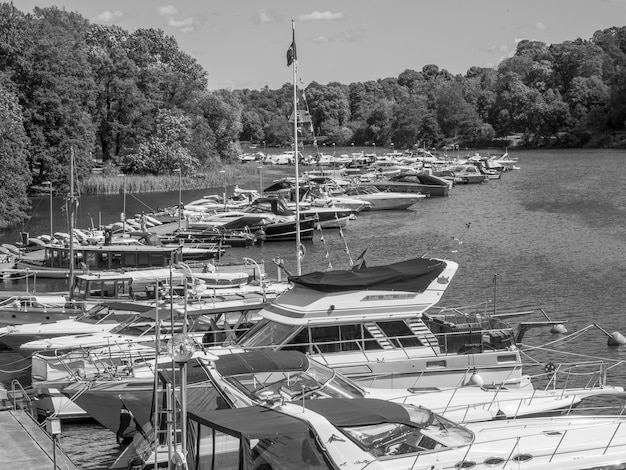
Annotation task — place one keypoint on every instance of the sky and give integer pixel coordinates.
(243, 43)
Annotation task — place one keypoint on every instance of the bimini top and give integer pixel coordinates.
(257, 422)
(261, 361)
(359, 411)
(414, 275)
(253, 422)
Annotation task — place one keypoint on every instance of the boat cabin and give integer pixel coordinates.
(132, 285)
(111, 257)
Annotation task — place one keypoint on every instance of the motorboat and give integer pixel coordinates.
(99, 318)
(377, 434)
(269, 377)
(383, 200)
(372, 325)
(419, 182)
(52, 261)
(19, 309)
(463, 174)
(378, 326)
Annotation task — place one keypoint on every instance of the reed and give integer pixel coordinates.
(114, 184)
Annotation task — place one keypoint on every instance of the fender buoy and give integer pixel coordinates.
(616, 339)
(260, 235)
(302, 251)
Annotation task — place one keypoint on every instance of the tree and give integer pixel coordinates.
(166, 149)
(15, 177)
(57, 95)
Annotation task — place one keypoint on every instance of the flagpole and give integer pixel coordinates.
(296, 159)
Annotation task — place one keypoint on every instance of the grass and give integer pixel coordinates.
(242, 174)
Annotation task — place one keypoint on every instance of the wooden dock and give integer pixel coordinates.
(26, 446)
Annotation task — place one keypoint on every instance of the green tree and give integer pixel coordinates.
(15, 177)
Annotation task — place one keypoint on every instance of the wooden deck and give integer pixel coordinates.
(26, 446)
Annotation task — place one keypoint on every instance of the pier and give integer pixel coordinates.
(25, 445)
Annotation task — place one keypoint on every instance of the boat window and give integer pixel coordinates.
(143, 260)
(301, 342)
(91, 260)
(108, 289)
(267, 333)
(399, 334)
(325, 339)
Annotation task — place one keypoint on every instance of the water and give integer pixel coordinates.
(551, 235)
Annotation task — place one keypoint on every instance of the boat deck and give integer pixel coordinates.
(25, 445)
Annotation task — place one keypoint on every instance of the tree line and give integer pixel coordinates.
(134, 103)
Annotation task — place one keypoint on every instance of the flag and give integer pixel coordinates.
(291, 52)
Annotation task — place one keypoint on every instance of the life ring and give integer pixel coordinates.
(550, 368)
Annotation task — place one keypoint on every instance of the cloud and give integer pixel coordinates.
(540, 26)
(267, 16)
(167, 10)
(109, 16)
(321, 16)
(354, 35)
(185, 26)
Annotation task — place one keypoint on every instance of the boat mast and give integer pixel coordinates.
(294, 64)
(72, 211)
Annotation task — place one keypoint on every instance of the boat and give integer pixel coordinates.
(378, 326)
(19, 309)
(463, 174)
(99, 318)
(269, 377)
(421, 182)
(53, 261)
(383, 200)
(368, 433)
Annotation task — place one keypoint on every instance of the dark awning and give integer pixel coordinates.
(261, 361)
(254, 422)
(413, 275)
(359, 411)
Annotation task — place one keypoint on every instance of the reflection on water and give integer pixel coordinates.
(550, 235)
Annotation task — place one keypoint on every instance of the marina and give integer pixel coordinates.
(516, 250)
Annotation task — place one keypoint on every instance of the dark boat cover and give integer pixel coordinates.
(414, 275)
(261, 361)
(359, 411)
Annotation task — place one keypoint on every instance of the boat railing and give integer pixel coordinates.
(581, 374)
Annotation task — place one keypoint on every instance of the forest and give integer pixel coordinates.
(134, 103)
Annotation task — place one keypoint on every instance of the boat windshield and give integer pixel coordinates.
(267, 333)
(102, 314)
(425, 432)
(317, 381)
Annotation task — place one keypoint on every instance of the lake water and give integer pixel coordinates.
(551, 235)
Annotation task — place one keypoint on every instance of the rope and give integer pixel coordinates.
(3, 371)
(323, 240)
(563, 340)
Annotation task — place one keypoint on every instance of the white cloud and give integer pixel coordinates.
(167, 10)
(345, 36)
(180, 23)
(540, 26)
(267, 16)
(321, 16)
(109, 16)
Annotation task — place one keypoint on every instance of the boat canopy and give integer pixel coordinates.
(359, 411)
(414, 275)
(254, 422)
(261, 361)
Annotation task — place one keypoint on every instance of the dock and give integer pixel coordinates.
(25, 445)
